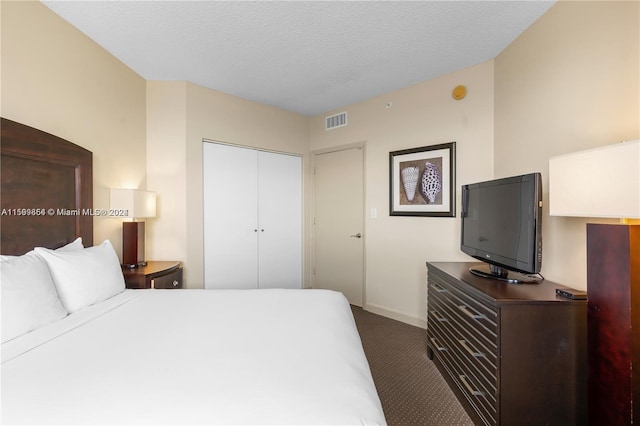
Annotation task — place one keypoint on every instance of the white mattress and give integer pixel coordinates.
(194, 357)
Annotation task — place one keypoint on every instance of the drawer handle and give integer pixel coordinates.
(471, 352)
(439, 289)
(435, 345)
(438, 317)
(470, 314)
(175, 283)
(473, 392)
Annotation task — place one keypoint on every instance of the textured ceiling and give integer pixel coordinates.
(303, 56)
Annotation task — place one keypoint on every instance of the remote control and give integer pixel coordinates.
(570, 293)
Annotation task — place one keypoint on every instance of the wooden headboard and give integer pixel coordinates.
(46, 190)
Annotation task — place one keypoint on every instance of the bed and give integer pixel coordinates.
(79, 348)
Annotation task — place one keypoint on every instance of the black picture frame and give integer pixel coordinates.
(422, 181)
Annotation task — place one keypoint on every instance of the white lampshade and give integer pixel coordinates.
(599, 182)
(133, 202)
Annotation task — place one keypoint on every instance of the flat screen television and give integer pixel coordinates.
(502, 227)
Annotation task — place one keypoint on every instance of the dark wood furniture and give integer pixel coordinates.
(613, 318)
(47, 190)
(513, 354)
(155, 274)
(133, 243)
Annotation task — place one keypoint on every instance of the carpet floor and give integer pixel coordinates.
(411, 389)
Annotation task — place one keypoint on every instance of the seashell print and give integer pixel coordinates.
(410, 181)
(431, 184)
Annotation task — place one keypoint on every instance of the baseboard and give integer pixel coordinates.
(396, 315)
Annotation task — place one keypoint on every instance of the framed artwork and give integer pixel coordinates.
(422, 181)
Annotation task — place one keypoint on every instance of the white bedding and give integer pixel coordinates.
(194, 357)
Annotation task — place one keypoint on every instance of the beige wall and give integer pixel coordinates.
(57, 80)
(166, 170)
(425, 114)
(180, 116)
(570, 82)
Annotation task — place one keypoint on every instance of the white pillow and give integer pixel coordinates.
(73, 245)
(84, 277)
(29, 298)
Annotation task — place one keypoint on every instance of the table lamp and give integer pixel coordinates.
(134, 204)
(605, 182)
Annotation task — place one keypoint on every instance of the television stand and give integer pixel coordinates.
(513, 355)
(502, 274)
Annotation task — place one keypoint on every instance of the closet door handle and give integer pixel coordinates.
(358, 235)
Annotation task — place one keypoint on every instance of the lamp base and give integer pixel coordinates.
(134, 266)
(613, 322)
(133, 244)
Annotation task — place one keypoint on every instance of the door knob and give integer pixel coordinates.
(358, 235)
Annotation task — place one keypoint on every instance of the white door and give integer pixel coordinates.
(338, 223)
(252, 204)
(230, 203)
(280, 221)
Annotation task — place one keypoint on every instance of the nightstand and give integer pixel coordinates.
(155, 274)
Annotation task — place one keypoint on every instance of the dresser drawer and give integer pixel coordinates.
(476, 313)
(474, 371)
(477, 320)
(462, 332)
(168, 281)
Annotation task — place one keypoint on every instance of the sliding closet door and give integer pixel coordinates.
(280, 218)
(230, 202)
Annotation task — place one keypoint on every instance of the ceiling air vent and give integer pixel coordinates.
(335, 121)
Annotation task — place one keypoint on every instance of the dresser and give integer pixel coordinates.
(513, 354)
